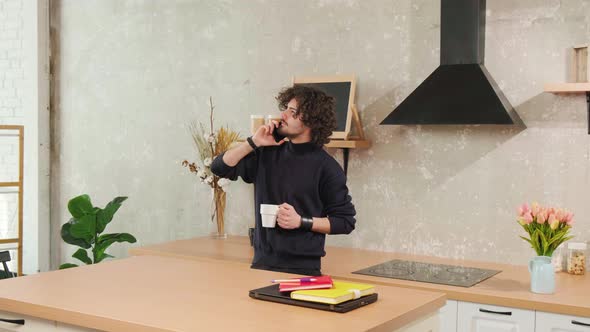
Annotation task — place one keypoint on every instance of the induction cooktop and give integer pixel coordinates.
(453, 275)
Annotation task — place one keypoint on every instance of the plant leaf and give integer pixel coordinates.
(536, 241)
(197, 131)
(84, 228)
(544, 244)
(116, 237)
(80, 205)
(225, 138)
(67, 236)
(104, 216)
(102, 256)
(104, 241)
(67, 266)
(567, 238)
(557, 239)
(82, 256)
(527, 240)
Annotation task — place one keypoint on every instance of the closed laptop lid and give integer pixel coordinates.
(272, 293)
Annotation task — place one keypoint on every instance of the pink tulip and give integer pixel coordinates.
(559, 214)
(524, 208)
(541, 217)
(570, 219)
(553, 220)
(527, 218)
(535, 209)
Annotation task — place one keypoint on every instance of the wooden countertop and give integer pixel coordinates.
(234, 248)
(154, 293)
(510, 288)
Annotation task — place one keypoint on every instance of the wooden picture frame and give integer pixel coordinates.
(578, 64)
(342, 88)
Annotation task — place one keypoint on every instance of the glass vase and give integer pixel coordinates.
(218, 215)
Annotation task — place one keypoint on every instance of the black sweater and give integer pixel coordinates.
(306, 177)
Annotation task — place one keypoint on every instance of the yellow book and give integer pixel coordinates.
(340, 292)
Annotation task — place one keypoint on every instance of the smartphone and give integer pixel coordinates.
(275, 133)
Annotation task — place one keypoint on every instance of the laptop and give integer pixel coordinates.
(271, 293)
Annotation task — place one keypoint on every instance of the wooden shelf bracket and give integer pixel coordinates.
(352, 141)
(578, 87)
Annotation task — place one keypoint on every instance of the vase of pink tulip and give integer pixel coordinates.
(547, 228)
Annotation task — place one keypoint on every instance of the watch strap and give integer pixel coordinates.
(251, 142)
(306, 224)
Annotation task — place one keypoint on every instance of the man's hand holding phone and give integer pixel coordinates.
(268, 135)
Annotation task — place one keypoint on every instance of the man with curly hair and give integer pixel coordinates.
(298, 175)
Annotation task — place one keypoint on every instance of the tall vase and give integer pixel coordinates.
(542, 275)
(219, 213)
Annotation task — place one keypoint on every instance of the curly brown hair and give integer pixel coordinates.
(316, 110)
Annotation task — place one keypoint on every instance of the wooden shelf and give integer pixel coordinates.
(349, 144)
(567, 87)
(3, 241)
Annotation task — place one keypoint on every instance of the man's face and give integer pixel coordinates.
(291, 125)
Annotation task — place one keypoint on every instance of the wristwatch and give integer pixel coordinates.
(306, 224)
(251, 142)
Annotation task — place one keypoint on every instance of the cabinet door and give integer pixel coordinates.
(448, 317)
(476, 317)
(31, 324)
(548, 322)
(63, 327)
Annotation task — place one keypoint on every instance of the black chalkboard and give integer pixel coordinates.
(342, 89)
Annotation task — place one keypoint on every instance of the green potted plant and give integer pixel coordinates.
(85, 229)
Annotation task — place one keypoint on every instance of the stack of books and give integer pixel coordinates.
(288, 285)
(324, 290)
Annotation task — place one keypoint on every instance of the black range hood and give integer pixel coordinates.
(460, 90)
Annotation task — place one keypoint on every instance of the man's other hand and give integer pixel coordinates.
(287, 217)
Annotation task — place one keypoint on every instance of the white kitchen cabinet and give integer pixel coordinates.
(476, 317)
(448, 317)
(429, 323)
(31, 324)
(63, 327)
(548, 322)
(34, 324)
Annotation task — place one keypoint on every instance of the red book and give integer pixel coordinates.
(320, 282)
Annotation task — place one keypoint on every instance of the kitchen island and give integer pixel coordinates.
(511, 287)
(156, 293)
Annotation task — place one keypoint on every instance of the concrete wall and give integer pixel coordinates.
(131, 75)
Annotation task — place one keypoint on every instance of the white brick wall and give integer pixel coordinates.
(8, 158)
(11, 62)
(12, 77)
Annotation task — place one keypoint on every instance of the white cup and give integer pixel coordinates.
(269, 214)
